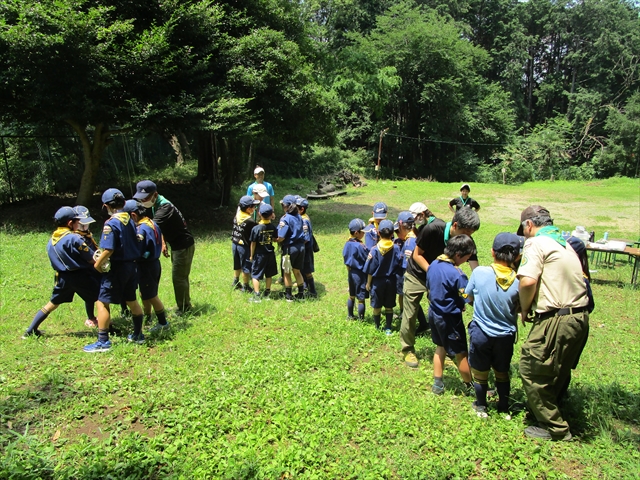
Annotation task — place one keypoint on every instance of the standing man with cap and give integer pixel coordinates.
(258, 174)
(464, 200)
(553, 296)
(175, 233)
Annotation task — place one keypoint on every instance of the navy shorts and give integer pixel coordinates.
(448, 332)
(264, 265)
(309, 264)
(241, 255)
(120, 283)
(82, 282)
(148, 278)
(400, 284)
(296, 254)
(357, 284)
(383, 292)
(486, 352)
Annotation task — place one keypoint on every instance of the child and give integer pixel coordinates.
(291, 238)
(243, 223)
(308, 267)
(72, 260)
(445, 286)
(493, 292)
(382, 267)
(371, 232)
(120, 246)
(464, 200)
(406, 242)
(355, 255)
(263, 255)
(149, 268)
(83, 230)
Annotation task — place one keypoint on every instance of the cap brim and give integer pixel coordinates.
(520, 231)
(380, 216)
(141, 195)
(86, 221)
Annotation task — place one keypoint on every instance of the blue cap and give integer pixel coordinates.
(247, 201)
(356, 225)
(83, 214)
(112, 194)
(506, 239)
(380, 210)
(145, 188)
(131, 206)
(266, 210)
(385, 226)
(64, 214)
(302, 202)
(288, 200)
(406, 217)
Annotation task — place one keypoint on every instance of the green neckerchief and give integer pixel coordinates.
(553, 233)
(159, 202)
(447, 232)
(464, 202)
(430, 219)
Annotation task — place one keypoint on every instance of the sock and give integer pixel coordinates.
(361, 311)
(287, 291)
(388, 320)
(503, 395)
(437, 381)
(311, 285)
(376, 320)
(350, 305)
(137, 325)
(162, 317)
(266, 293)
(481, 393)
(103, 335)
(88, 306)
(37, 320)
(300, 291)
(123, 309)
(236, 281)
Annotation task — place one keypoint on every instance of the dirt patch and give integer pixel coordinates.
(100, 424)
(571, 468)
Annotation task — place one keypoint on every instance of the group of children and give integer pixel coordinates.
(126, 259)
(376, 262)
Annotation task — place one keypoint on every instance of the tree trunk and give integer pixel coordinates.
(184, 143)
(228, 160)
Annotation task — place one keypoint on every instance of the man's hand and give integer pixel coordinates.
(165, 250)
(525, 318)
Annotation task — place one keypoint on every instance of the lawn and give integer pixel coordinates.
(278, 391)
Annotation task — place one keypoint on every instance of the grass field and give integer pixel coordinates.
(279, 391)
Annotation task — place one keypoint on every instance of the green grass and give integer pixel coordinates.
(281, 390)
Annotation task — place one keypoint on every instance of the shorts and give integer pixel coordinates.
(308, 267)
(148, 278)
(264, 265)
(296, 254)
(120, 283)
(448, 332)
(82, 282)
(486, 352)
(241, 256)
(383, 292)
(400, 284)
(357, 284)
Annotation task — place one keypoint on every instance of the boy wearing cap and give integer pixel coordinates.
(243, 224)
(258, 174)
(464, 200)
(406, 242)
(291, 239)
(120, 246)
(355, 254)
(371, 236)
(85, 220)
(383, 264)
(493, 292)
(72, 261)
(263, 255)
(309, 244)
(445, 285)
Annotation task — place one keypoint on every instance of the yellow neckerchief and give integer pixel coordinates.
(446, 258)
(384, 245)
(148, 222)
(87, 236)
(59, 233)
(265, 222)
(242, 217)
(375, 222)
(505, 276)
(305, 216)
(409, 235)
(122, 216)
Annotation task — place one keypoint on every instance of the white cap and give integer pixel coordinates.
(260, 190)
(417, 208)
(258, 170)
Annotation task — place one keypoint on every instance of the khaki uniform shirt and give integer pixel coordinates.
(558, 271)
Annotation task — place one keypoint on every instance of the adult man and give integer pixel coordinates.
(430, 244)
(175, 233)
(464, 200)
(554, 294)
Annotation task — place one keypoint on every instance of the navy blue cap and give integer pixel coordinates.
(506, 239)
(111, 195)
(82, 213)
(406, 217)
(145, 188)
(64, 214)
(131, 206)
(248, 201)
(380, 210)
(266, 210)
(302, 202)
(288, 200)
(385, 226)
(356, 225)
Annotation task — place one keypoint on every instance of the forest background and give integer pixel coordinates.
(476, 90)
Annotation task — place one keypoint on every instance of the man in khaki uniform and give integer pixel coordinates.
(553, 296)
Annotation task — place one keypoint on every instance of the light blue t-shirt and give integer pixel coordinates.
(269, 188)
(494, 309)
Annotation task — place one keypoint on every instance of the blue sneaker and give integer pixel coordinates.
(139, 339)
(97, 347)
(388, 332)
(158, 327)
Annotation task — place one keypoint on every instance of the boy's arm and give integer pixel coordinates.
(369, 280)
(253, 250)
(104, 256)
(528, 286)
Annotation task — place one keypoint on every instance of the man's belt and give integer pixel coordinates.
(559, 311)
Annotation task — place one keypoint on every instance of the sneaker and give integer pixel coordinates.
(266, 295)
(480, 410)
(139, 339)
(180, 312)
(300, 296)
(255, 298)
(36, 333)
(540, 433)
(289, 298)
(410, 360)
(158, 327)
(437, 389)
(388, 332)
(91, 323)
(97, 347)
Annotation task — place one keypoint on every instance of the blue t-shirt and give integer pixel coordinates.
(68, 251)
(446, 284)
(407, 246)
(387, 265)
(269, 191)
(290, 228)
(150, 238)
(120, 235)
(355, 254)
(494, 309)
